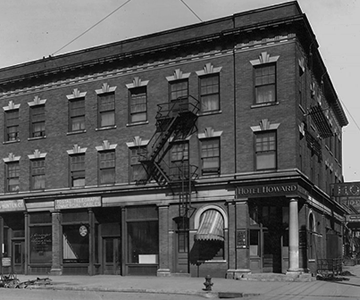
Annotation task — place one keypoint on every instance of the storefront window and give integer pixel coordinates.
(75, 243)
(40, 244)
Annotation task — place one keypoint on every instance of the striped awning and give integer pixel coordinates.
(211, 226)
(321, 122)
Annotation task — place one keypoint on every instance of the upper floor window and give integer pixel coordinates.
(179, 89)
(12, 176)
(265, 150)
(37, 121)
(138, 104)
(37, 174)
(209, 93)
(107, 167)
(265, 84)
(106, 110)
(137, 170)
(77, 170)
(77, 114)
(12, 125)
(210, 156)
(179, 159)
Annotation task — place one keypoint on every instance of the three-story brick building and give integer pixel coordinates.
(206, 149)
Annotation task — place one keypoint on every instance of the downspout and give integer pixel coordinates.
(234, 83)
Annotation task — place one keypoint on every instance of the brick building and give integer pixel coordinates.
(206, 149)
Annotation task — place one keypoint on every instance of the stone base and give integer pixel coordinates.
(55, 271)
(236, 273)
(163, 273)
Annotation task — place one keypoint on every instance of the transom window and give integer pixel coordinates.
(265, 150)
(210, 156)
(209, 93)
(138, 105)
(107, 167)
(37, 121)
(37, 174)
(265, 83)
(77, 170)
(77, 114)
(12, 125)
(106, 106)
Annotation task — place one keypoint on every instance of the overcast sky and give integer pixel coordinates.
(31, 29)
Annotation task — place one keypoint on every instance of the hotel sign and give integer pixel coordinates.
(12, 205)
(347, 194)
(267, 190)
(78, 203)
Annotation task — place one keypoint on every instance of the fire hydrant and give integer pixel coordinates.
(208, 284)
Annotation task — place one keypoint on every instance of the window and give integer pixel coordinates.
(37, 125)
(137, 170)
(12, 125)
(265, 84)
(210, 156)
(77, 170)
(209, 93)
(178, 88)
(265, 150)
(12, 177)
(37, 174)
(179, 159)
(107, 167)
(106, 106)
(77, 114)
(138, 106)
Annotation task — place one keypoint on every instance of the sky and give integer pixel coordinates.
(32, 29)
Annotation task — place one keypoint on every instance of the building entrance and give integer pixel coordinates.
(112, 255)
(18, 257)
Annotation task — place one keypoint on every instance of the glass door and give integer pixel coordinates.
(112, 255)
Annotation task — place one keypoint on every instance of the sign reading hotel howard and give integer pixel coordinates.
(348, 194)
(77, 202)
(267, 190)
(12, 205)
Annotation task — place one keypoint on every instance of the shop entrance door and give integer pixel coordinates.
(112, 255)
(272, 252)
(18, 257)
(182, 255)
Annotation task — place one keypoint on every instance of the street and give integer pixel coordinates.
(34, 294)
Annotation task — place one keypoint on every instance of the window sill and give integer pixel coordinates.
(137, 123)
(76, 132)
(264, 104)
(11, 142)
(105, 128)
(210, 113)
(37, 138)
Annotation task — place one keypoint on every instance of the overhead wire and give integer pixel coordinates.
(87, 30)
(191, 10)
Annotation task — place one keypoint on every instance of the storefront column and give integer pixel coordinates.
(164, 261)
(293, 236)
(56, 267)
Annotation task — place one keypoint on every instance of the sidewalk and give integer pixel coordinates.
(221, 287)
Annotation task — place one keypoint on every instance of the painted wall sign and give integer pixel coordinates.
(78, 202)
(12, 205)
(266, 190)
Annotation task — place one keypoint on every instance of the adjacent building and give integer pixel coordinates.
(205, 149)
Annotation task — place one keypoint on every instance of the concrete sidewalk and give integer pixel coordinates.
(222, 288)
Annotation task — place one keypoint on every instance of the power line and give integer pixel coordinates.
(73, 40)
(356, 124)
(191, 10)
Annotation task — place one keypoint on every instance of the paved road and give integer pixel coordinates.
(25, 294)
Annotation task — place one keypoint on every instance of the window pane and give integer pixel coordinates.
(265, 84)
(265, 149)
(178, 89)
(75, 245)
(107, 119)
(41, 244)
(78, 123)
(209, 89)
(265, 94)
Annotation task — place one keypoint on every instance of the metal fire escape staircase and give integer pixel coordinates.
(175, 121)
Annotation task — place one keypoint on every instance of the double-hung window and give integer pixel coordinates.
(12, 176)
(106, 105)
(265, 83)
(179, 89)
(265, 150)
(107, 167)
(77, 114)
(209, 93)
(137, 170)
(77, 170)
(210, 156)
(12, 125)
(180, 160)
(37, 125)
(37, 174)
(138, 104)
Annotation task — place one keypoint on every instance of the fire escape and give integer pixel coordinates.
(175, 121)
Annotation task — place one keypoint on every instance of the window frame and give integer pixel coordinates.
(103, 109)
(273, 134)
(75, 173)
(13, 122)
(265, 85)
(205, 95)
(184, 92)
(135, 164)
(8, 178)
(107, 168)
(203, 170)
(73, 115)
(142, 90)
(35, 119)
(34, 174)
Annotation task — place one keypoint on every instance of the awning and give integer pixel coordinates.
(211, 226)
(321, 122)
